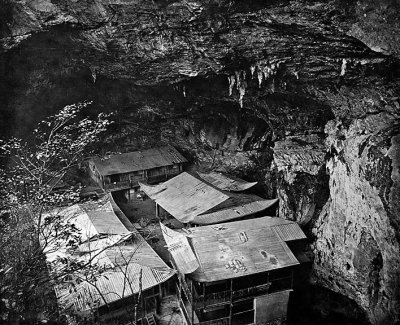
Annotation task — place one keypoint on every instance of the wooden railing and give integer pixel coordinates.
(222, 297)
(185, 312)
(161, 177)
(212, 299)
(117, 186)
(251, 291)
(219, 321)
(185, 288)
(134, 180)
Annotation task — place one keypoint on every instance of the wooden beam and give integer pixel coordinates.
(191, 302)
(230, 305)
(157, 214)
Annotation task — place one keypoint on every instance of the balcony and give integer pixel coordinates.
(212, 299)
(117, 186)
(251, 291)
(224, 297)
(219, 321)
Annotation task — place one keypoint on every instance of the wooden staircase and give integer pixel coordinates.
(151, 320)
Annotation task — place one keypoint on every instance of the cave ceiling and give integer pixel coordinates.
(277, 60)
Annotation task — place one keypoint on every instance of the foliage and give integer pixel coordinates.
(31, 185)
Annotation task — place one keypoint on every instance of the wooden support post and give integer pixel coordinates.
(179, 288)
(230, 305)
(291, 280)
(157, 215)
(191, 300)
(204, 294)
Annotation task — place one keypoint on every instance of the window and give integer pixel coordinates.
(114, 178)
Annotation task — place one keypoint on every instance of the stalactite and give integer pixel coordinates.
(259, 76)
(94, 75)
(266, 71)
(343, 68)
(231, 81)
(237, 74)
(252, 70)
(239, 78)
(242, 92)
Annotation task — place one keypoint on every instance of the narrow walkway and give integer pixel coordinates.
(169, 312)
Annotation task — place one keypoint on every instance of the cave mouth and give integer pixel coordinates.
(300, 96)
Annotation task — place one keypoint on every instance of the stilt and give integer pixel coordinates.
(157, 213)
(230, 305)
(191, 300)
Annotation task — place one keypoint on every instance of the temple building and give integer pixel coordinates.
(237, 273)
(122, 172)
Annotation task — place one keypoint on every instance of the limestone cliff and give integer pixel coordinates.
(357, 232)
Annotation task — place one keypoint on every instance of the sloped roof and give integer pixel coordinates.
(254, 244)
(289, 231)
(138, 160)
(115, 284)
(226, 183)
(185, 196)
(92, 221)
(106, 222)
(234, 211)
(136, 250)
(124, 256)
(124, 262)
(191, 199)
(182, 253)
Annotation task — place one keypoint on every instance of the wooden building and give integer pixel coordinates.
(234, 273)
(132, 280)
(192, 200)
(124, 171)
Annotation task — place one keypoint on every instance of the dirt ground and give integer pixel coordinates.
(142, 214)
(139, 211)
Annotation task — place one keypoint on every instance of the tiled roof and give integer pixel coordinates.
(138, 160)
(289, 231)
(234, 211)
(239, 248)
(182, 253)
(123, 255)
(185, 196)
(191, 199)
(115, 284)
(226, 183)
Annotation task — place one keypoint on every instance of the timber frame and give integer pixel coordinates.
(232, 301)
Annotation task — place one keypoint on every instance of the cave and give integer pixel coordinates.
(301, 96)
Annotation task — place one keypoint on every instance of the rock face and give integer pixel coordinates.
(300, 95)
(303, 183)
(357, 233)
